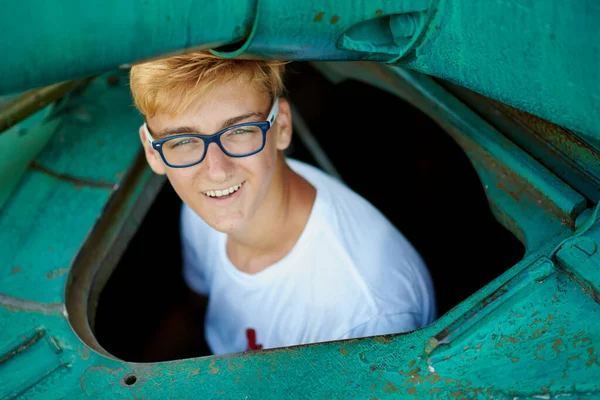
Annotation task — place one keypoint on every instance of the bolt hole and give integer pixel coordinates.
(130, 379)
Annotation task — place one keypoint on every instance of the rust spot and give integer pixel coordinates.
(582, 340)
(319, 17)
(458, 393)
(16, 270)
(550, 318)
(100, 143)
(378, 12)
(84, 352)
(535, 321)
(193, 372)
(334, 19)
(540, 347)
(412, 363)
(465, 348)
(514, 359)
(411, 391)
(343, 351)
(213, 369)
(56, 273)
(436, 390)
(506, 339)
(112, 371)
(562, 331)
(536, 334)
(415, 376)
(112, 80)
(50, 249)
(389, 387)
(434, 378)
(592, 361)
(556, 343)
(382, 339)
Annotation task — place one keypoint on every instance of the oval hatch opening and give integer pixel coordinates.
(440, 207)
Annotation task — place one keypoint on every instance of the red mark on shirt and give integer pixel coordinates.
(251, 336)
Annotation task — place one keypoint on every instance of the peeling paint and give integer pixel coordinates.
(213, 368)
(57, 273)
(390, 388)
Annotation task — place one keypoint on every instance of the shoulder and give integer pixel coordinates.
(392, 272)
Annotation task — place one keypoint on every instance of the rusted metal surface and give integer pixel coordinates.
(22, 345)
(537, 272)
(26, 104)
(523, 324)
(522, 193)
(95, 261)
(580, 259)
(15, 304)
(562, 151)
(77, 182)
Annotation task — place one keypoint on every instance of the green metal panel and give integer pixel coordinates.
(541, 56)
(533, 332)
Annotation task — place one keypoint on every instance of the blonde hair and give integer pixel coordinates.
(170, 85)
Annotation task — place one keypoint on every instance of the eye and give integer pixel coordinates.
(183, 142)
(240, 131)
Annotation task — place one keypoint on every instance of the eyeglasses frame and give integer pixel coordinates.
(215, 138)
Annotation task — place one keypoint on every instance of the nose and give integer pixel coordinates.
(218, 165)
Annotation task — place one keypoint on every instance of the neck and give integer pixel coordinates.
(277, 224)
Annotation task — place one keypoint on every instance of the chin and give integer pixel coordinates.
(227, 225)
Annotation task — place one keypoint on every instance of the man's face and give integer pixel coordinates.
(218, 171)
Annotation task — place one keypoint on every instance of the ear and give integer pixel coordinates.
(152, 156)
(284, 125)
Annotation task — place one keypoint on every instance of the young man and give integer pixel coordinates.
(285, 253)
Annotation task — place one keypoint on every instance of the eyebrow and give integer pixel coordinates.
(188, 129)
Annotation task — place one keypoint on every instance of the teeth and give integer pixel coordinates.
(224, 192)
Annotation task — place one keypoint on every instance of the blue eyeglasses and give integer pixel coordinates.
(242, 140)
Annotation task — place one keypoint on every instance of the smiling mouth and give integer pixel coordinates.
(223, 193)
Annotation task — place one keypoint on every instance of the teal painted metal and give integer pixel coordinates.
(533, 332)
(30, 137)
(61, 40)
(539, 56)
(559, 149)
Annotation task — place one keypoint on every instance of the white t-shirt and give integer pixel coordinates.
(350, 274)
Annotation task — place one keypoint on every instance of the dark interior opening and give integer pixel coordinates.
(403, 163)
